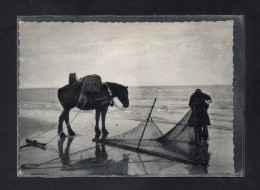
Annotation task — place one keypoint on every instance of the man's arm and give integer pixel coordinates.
(191, 101)
(207, 97)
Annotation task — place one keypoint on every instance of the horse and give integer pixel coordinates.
(69, 97)
(92, 164)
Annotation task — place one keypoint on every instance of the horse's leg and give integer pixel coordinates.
(60, 128)
(67, 120)
(67, 151)
(60, 147)
(98, 151)
(97, 121)
(103, 115)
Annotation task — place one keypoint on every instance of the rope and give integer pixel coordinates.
(81, 93)
(123, 109)
(69, 122)
(58, 121)
(118, 146)
(72, 154)
(44, 131)
(75, 153)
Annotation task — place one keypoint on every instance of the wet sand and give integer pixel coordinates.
(105, 160)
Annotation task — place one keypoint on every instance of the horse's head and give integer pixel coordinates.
(123, 96)
(121, 92)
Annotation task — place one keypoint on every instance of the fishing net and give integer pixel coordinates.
(151, 132)
(177, 144)
(181, 132)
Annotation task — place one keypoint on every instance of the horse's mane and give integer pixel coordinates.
(115, 85)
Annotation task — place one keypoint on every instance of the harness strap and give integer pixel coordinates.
(111, 102)
(110, 94)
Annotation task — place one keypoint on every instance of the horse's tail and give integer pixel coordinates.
(69, 95)
(60, 96)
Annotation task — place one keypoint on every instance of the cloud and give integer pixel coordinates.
(194, 53)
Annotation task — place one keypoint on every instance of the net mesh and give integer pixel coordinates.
(151, 132)
(181, 132)
(178, 143)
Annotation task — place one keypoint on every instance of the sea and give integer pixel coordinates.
(171, 105)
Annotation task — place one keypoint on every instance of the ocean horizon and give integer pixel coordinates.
(171, 106)
(206, 85)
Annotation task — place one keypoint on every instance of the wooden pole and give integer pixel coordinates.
(146, 124)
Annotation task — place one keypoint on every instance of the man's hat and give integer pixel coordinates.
(198, 91)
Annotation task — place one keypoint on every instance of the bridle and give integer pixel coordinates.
(111, 95)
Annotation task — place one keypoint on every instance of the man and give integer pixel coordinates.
(199, 102)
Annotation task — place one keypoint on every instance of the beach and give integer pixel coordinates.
(39, 109)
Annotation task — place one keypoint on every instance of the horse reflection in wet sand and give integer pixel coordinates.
(101, 165)
(64, 156)
(97, 165)
(69, 96)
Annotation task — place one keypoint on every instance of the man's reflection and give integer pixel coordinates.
(200, 155)
(196, 152)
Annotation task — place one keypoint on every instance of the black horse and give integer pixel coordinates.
(69, 97)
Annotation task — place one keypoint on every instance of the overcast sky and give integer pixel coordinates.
(133, 54)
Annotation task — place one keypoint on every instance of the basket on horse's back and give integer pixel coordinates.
(73, 78)
(92, 83)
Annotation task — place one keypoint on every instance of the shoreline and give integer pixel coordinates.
(33, 122)
(28, 126)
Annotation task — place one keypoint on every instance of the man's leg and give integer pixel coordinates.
(199, 131)
(196, 133)
(205, 134)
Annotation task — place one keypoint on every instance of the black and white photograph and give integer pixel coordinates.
(125, 99)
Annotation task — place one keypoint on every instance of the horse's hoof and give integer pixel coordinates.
(97, 131)
(62, 135)
(72, 133)
(105, 132)
(104, 136)
(97, 135)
